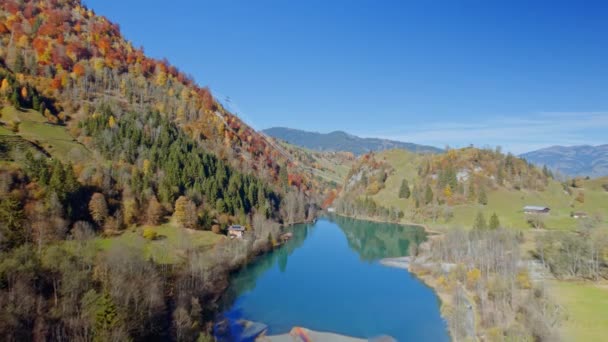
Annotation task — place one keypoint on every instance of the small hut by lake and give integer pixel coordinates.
(236, 231)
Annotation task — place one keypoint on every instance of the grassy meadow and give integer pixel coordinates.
(585, 309)
(168, 247)
(33, 127)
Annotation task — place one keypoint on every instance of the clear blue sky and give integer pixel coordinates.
(521, 74)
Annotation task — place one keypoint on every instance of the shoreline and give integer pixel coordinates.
(424, 226)
(405, 263)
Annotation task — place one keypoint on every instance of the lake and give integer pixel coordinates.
(328, 278)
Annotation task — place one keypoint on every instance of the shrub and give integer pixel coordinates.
(150, 234)
(523, 280)
(216, 229)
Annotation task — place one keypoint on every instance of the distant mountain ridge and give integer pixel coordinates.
(582, 160)
(342, 141)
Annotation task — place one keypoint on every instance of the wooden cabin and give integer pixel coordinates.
(236, 231)
(578, 214)
(533, 209)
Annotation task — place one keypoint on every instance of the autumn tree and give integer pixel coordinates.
(185, 212)
(447, 192)
(154, 212)
(98, 208)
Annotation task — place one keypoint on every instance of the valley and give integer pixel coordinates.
(136, 205)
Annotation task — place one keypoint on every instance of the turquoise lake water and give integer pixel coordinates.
(328, 278)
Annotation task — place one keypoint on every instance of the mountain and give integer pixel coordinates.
(583, 160)
(342, 141)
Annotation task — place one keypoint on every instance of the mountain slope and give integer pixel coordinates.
(66, 62)
(448, 190)
(581, 160)
(342, 141)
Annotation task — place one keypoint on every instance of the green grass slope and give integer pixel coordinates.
(33, 127)
(506, 203)
(586, 310)
(168, 248)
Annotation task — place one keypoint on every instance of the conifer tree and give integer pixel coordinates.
(404, 190)
(428, 196)
(494, 222)
(480, 222)
(483, 198)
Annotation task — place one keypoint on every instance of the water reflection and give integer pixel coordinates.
(374, 241)
(327, 278)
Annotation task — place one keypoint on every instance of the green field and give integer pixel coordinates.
(170, 245)
(586, 310)
(34, 127)
(507, 204)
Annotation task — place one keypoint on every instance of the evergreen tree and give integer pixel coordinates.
(106, 317)
(471, 194)
(480, 222)
(15, 101)
(483, 198)
(428, 196)
(494, 222)
(19, 65)
(404, 190)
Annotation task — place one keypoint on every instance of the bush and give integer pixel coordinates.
(580, 197)
(523, 280)
(150, 234)
(216, 229)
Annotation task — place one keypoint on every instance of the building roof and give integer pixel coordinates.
(535, 208)
(236, 227)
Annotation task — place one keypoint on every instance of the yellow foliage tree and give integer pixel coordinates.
(185, 212)
(5, 86)
(473, 276)
(523, 280)
(98, 208)
(149, 234)
(129, 210)
(146, 166)
(447, 191)
(111, 121)
(161, 78)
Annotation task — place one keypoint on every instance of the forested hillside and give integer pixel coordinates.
(463, 186)
(109, 162)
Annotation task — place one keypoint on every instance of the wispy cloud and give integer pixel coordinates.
(516, 134)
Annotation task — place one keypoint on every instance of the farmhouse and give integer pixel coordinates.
(578, 214)
(236, 231)
(533, 209)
